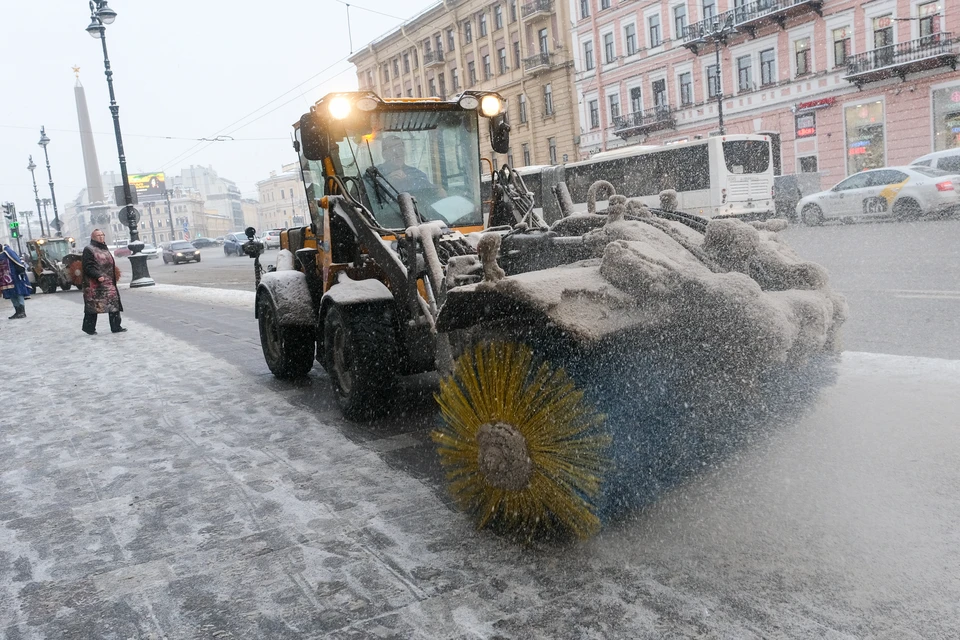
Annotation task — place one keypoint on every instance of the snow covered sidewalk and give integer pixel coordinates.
(194, 503)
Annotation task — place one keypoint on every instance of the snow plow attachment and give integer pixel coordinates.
(618, 353)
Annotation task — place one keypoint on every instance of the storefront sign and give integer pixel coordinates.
(806, 125)
(816, 104)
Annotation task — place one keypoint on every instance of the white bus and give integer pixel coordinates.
(720, 176)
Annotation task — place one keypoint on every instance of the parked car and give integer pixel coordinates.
(233, 244)
(203, 243)
(218, 240)
(180, 251)
(948, 160)
(271, 239)
(900, 192)
(149, 250)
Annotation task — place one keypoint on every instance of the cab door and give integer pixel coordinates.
(845, 198)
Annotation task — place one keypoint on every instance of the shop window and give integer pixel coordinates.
(864, 126)
(946, 118)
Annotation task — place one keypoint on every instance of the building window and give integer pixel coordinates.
(709, 9)
(467, 32)
(455, 79)
(929, 14)
(946, 122)
(522, 108)
(660, 96)
(802, 55)
(544, 42)
(604, 4)
(808, 164)
(584, 9)
(516, 55)
(547, 100)
(450, 40)
(768, 67)
(630, 39)
(487, 70)
(841, 46)
(498, 17)
(680, 20)
(443, 85)
(588, 55)
(654, 24)
(526, 154)
(482, 22)
(614, 103)
(608, 53)
(471, 74)
(513, 11)
(865, 137)
(386, 73)
(502, 58)
(510, 158)
(883, 40)
(396, 68)
(432, 86)
(439, 40)
(744, 64)
(713, 81)
(685, 81)
(552, 144)
(636, 101)
(593, 107)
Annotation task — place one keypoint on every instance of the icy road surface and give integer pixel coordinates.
(192, 501)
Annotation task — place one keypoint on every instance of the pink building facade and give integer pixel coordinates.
(840, 85)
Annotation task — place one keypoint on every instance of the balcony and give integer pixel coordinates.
(643, 123)
(536, 9)
(748, 17)
(936, 50)
(432, 59)
(538, 63)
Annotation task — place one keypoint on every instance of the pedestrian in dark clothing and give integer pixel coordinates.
(13, 280)
(100, 294)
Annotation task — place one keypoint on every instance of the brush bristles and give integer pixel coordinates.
(497, 383)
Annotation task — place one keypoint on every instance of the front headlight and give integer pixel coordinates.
(490, 106)
(340, 108)
(180, 255)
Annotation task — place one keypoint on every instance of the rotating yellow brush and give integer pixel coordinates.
(521, 447)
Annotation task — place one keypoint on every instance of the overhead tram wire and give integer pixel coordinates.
(180, 157)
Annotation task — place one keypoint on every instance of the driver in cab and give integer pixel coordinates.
(402, 176)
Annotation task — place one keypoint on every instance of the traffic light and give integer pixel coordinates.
(9, 211)
(14, 230)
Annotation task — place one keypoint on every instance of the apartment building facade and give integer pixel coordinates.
(521, 49)
(839, 85)
(282, 201)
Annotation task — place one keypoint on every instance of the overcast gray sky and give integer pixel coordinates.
(183, 70)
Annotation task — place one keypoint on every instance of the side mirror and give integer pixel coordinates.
(313, 139)
(500, 133)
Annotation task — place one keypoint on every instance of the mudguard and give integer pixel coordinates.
(291, 298)
(348, 291)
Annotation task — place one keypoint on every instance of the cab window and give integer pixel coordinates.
(857, 181)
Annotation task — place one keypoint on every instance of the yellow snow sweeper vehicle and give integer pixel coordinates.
(586, 362)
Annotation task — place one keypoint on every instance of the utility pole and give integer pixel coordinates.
(36, 194)
(719, 35)
(26, 216)
(166, 194)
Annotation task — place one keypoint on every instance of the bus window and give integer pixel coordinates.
(747, 156)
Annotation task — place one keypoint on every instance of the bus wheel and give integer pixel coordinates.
(812, 215)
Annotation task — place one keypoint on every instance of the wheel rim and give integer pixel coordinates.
(522, 447)
(341, 361)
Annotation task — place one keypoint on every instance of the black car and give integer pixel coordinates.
(233, 244)
(202, 243)
(180, 251)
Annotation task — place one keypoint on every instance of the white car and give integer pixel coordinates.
(900, 192)
(271, 239)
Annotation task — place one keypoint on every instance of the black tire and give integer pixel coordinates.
(288, 351)
(198, 258)
(66, 285)
(360, 356)
(48, 285)
(812, 215)
(906, 209)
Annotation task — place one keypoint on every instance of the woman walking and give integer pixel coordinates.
(100, 294)
(13, 280)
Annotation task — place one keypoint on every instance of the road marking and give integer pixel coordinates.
(920, 294)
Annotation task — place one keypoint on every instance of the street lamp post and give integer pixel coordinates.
(44, 141)
(719, 35)
(26, 215)
(166, 194)
(36, 194)
(153, 233)
(100, 15)
(45, 202)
